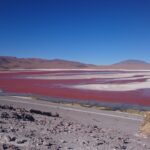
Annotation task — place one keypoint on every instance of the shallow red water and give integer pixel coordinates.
(14, 82)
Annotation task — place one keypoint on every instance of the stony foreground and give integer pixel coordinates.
(22, 129)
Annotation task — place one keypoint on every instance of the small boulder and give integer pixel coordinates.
(34, 111)
(5, 115)
(28, 117)
(21, 141)
(7, 138)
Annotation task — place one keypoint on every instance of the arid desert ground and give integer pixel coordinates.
(32, 124)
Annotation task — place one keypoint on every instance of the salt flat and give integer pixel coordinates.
(115, 87)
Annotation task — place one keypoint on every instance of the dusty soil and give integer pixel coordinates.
(22, 129)
(145, 127)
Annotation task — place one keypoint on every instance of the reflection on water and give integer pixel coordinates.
(95, 72)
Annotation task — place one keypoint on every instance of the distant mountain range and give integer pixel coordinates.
(132, 64)
(7, 62)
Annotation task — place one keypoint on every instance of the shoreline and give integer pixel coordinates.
(131, 108)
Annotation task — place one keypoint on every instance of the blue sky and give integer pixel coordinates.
(91, 31)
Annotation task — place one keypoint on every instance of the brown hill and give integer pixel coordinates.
(131, 64)
(7, 62)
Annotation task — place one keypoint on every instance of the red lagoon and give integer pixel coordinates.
(16, 83)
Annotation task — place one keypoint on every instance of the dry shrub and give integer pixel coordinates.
(145, 127)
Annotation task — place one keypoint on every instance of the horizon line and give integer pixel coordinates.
(73, 60)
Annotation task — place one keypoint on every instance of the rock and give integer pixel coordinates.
(55, 115)
(101, 142)
(63, 141)
(95, 127)
(13, 139)
(28, 117)
(21, 110)
(36, 111)
(12, 129)
(5, 115)
(120, 138)
(17, 116)
(44, 113)
(40, 141)
(83, 142)
(10, 147)
(126, 141)
(47, 114)
(21, 141)
(47, 143)
(7, 138)
(5, 146)
(23, 116)
(6, 107)
(2, 130)
(123, 147)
